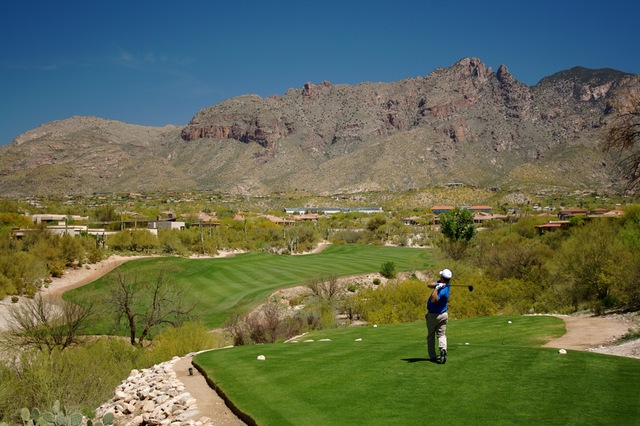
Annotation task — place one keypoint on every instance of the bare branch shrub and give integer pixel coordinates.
(40, 324)
(146, 305)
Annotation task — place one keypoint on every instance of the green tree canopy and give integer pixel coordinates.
(457, 225)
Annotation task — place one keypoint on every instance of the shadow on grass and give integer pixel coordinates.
(412, 360)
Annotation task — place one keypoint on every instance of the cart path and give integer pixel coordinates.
(587, 331)
(210, 404)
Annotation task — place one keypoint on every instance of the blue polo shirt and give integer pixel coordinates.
(442, 304)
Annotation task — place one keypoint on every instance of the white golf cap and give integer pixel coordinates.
(446, 274)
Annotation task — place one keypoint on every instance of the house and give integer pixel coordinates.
(441, 209)
(566, 213)
(56, 219)
(482, 217)
(311, 217)
(73, 230)
(295, 210)
(552, 226)
(331, 210)
(367, 210)
(484, 209)
(168, 223)
(279, 220)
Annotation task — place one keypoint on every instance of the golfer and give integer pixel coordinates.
(437, 316)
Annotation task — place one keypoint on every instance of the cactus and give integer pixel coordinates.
(58, 417)
(75, 419)
(48, 417)
(108, 418)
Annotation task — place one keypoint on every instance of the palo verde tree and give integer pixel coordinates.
(146, 305)
(458, 229)
(623, 138)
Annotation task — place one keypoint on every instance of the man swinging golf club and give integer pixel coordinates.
(437, 316)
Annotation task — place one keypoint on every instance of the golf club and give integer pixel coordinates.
(470, 287)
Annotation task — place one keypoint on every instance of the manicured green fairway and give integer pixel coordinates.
(501, 376)
(220, 286)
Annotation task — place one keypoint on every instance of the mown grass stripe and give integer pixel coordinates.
(241, 282)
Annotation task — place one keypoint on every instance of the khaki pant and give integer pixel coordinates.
(436, 326)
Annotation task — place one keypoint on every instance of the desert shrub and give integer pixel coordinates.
(348, 237)
(6, 286)
(179, 341)
(631, 334)
(525, 226)
(586, 264)
(392, 303)
(325, 288)
(267, 325)
(119, 241)
(44, 377)
(388, 270)
(170, 243)
(511, 255)
(349, 307)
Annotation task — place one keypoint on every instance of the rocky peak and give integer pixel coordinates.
(503, 75)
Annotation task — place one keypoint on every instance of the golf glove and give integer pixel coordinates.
(439, 286)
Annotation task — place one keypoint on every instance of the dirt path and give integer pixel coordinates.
(209, 402)
(587, 331)
(74, 278)
(598, 334)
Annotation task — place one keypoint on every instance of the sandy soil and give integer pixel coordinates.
(599, 334)
(584, 332)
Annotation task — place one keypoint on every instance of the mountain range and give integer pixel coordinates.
(463, 124)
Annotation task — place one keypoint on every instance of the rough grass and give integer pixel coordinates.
(221, 286)
(502, 376)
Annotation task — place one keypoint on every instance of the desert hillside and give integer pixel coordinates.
(466, 123)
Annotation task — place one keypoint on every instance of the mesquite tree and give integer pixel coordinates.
(146, 305)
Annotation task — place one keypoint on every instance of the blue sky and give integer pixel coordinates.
(159, 62)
